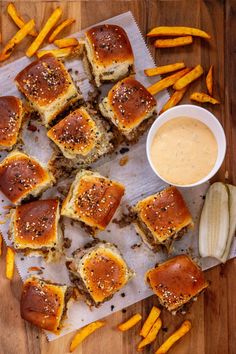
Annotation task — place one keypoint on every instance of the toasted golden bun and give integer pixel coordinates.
(35, 230)
(11, 114)
(79, 134)
(43, 303)
(47, 86)
(127, 105)
(99, 272)
(109, 53)
(21, 176)
(92, 199)
(176, 281)
(163, 215)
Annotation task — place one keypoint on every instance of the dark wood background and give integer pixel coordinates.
(214, 315)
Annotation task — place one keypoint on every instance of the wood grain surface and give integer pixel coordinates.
(214, 315)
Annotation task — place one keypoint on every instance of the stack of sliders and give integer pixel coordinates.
(82, 135)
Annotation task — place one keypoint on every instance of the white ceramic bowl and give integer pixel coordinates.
(200, 114)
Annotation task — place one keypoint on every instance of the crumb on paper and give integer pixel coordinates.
(112, 307)
(124, 160)
(136, 245)
(124, 150)
(31, 127)
(67, 242)
(126, 218)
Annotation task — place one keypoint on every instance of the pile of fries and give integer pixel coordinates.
(148, 332)
(67, 46)
(181, 79)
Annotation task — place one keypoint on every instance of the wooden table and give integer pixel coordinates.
(214, 314)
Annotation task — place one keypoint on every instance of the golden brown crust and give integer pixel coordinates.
(35, 224)
(11, 112)
(97, 200)
(75, 133)
(176, 281)
(110, 44)
(44, 80)
(20, 175)
(42, 304)
(105, 274)
(164, 213)
(130, 103)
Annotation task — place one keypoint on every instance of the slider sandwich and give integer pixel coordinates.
(98, 271)
(11, 116)
(44, 304)
(47, 87)
(130, 107)
(176, 282)
(92, 200)
(162, 218)
(81, 136)
(22, 176)
(108, 53)
(35, 229)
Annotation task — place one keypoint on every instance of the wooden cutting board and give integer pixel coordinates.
(214, 314)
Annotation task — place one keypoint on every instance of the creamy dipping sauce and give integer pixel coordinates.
(183, 151)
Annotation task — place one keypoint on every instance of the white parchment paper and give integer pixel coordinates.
(138, 178)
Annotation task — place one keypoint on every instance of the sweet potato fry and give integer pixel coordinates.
(18, 20)
(173, 42)
(151, 319)
(66, 42)
(84, 333)
(0, 244)
(10, 258)
(203, 98)
(17, 38)
(163, 31)
(184, 328)
(59, 28)
(193, 75)
(209, 80)
(59, 53)
(44, 32)
(130, 323)
(164, 69)
(167, 81)
(174, 99)
(151, 335)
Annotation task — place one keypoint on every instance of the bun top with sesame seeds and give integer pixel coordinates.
(11, 113)
(108, 53)
(42, 303)
(130, 103)
(22, 175)
(93, 199)
(47, 86)
(110, 44)
(176, 281)
(43, 80)
(102, 270)
(35, 224)
(164, 213)
(76, 134)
